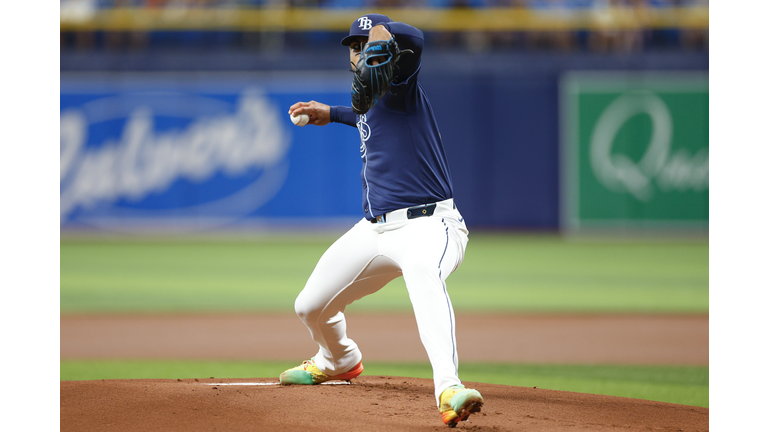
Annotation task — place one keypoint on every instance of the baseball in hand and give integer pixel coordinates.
(300, 120)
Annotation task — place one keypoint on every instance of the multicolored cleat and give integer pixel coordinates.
(307, 373)
(457, 403)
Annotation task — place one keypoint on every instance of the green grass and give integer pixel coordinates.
(687, 385)
(500, 273)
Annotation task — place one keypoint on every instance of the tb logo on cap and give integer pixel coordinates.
(365, 23)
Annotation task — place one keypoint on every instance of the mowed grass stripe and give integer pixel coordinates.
(687, 385)
(500, 273)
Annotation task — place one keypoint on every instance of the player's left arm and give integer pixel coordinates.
(384, 63)
(407, 37)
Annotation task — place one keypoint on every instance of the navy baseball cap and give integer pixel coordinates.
(362, 25)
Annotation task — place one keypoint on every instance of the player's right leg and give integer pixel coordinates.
(349, 270)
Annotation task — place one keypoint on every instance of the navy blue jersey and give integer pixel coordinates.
(404, 162)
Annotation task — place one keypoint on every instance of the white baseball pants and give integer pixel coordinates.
(425, 251)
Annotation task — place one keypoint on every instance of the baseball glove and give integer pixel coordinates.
(372, 81)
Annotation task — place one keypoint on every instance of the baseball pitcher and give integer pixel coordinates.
(411, 226)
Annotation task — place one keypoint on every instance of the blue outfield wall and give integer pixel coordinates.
(201, 152)
(503, 148)
(201, 141)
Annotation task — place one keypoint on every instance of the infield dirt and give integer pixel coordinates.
(371, 403)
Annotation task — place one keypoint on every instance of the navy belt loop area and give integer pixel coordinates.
(411, 213)
(421, 211)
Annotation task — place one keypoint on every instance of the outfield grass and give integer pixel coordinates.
(687, 385)
(500, 273)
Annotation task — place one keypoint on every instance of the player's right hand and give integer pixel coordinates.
(319, 114)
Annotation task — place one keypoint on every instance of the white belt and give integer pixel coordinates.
(433, 209)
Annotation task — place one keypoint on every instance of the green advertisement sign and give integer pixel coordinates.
(635, 150)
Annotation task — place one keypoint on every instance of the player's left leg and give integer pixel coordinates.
(434, 249)
(429, 250)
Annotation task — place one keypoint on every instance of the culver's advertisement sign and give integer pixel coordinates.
(191, 154)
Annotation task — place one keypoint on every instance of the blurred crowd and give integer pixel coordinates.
(569, 4)
(595, 39)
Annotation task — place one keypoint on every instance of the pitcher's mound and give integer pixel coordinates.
(370, 403)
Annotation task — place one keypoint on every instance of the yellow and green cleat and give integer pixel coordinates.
(307, 373)
(457, 403)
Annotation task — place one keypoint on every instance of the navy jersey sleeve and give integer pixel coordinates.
(342, 114)
(408, 38)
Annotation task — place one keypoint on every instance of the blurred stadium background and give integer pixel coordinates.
(557, 116)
